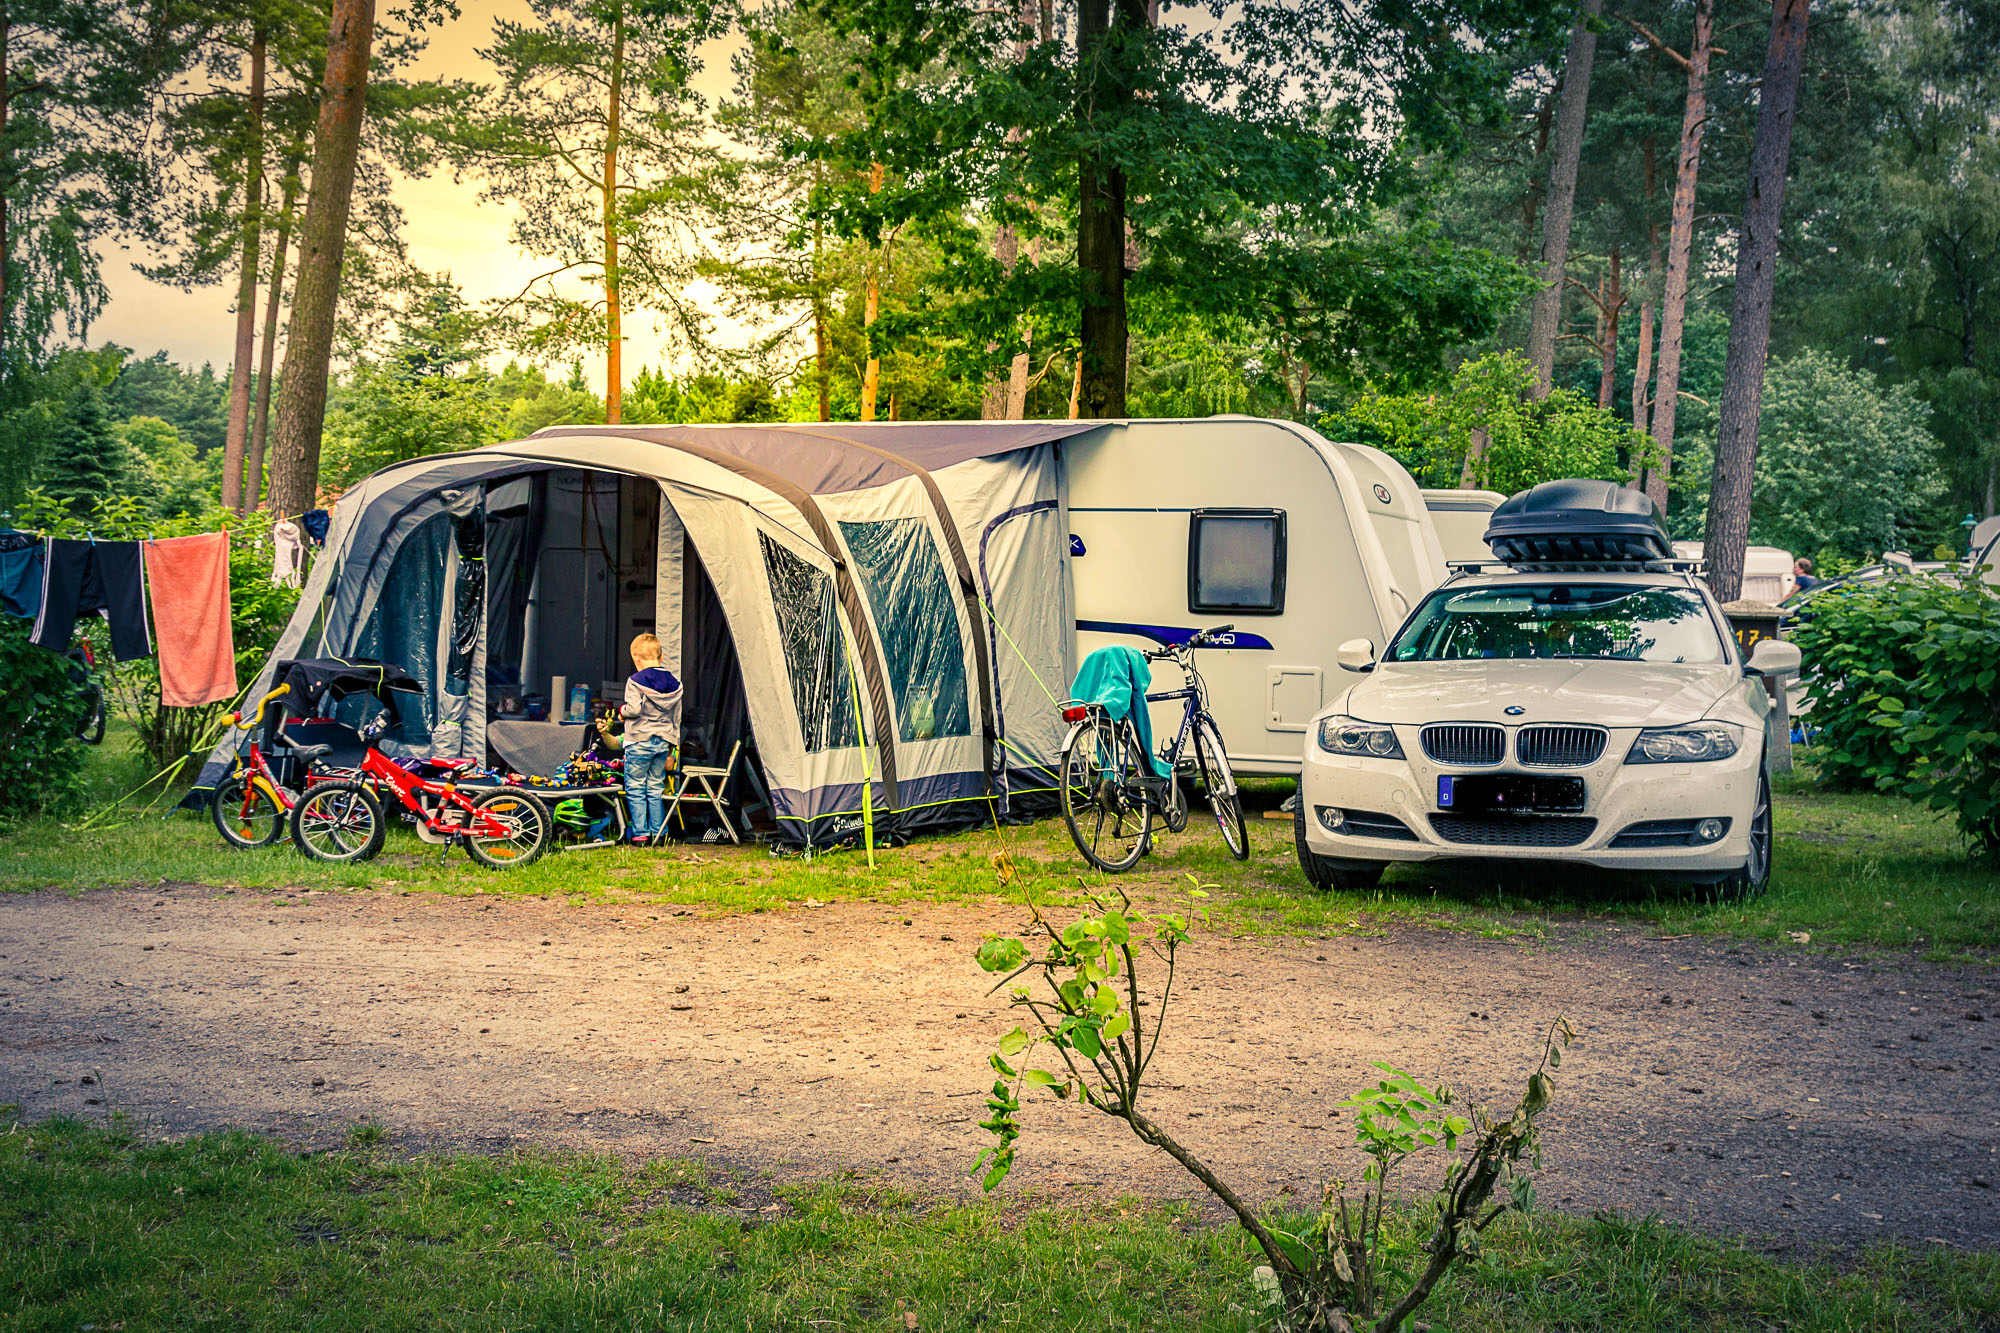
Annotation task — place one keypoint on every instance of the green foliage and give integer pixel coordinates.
(41, 760)
(1905, 679)
(1526, 440)
(1842, 465)
(382, 414)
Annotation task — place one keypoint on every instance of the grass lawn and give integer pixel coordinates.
(1851, 870)
(100, 1229)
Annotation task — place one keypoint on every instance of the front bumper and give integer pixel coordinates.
(1621, 800)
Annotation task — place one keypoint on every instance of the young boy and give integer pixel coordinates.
(652, 712)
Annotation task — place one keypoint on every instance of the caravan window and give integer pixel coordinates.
(915, 614)
(1236, 561)
(815, 649)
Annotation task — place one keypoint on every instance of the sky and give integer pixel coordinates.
(446, 226)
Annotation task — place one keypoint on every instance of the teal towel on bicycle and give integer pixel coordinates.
(1117, 679)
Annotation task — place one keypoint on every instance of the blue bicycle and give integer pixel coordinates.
(1111, 794)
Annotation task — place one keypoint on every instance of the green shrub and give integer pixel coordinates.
(1905, 680)
(41, 760)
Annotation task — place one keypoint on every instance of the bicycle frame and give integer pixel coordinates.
(1193, 699)
(408, 786)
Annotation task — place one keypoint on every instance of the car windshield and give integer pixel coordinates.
(1615, 622)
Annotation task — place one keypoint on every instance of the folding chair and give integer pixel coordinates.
(713, 783)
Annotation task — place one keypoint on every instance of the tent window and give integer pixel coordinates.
(815, 649)
(403, 630)
(1236, 561)
(915, 615)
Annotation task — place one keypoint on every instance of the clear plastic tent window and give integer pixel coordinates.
(815, 649)
(917, 619)
(403, 631)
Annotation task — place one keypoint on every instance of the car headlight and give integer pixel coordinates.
(1349, 735)
(1698, 744)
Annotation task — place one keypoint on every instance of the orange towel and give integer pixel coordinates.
(189, 578)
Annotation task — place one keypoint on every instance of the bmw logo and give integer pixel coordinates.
(1513, 710)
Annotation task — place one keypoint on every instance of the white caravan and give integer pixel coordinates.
(1298, 542)
(1768, 572)
(1460, 518)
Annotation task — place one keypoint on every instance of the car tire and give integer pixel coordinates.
(1754, 876)
(1312, 865)
(1323, 872)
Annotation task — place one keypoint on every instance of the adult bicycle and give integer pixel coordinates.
(1112, 792)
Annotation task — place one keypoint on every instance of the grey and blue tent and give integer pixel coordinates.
(880, 605)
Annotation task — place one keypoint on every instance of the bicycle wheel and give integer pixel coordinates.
(338, 822)
(1107, 821)
(92, 730)
(245, 814)
(1224, 801)
(526, 820)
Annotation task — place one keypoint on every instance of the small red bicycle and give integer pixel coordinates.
(341, 820)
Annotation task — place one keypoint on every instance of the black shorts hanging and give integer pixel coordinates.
(86, 576)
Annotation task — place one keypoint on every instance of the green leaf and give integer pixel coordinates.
(1014, 1042)
(1002, 955)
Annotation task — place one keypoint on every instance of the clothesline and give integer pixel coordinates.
(56, 580)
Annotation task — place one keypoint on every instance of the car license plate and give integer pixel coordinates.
(1489, 793)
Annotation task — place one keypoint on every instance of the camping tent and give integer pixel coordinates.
(821, 592)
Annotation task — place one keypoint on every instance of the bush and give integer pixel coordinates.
(1905, 680)
(41, 760)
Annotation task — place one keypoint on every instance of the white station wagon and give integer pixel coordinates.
(1584, 702)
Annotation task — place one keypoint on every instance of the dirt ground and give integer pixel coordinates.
(1792, 1097)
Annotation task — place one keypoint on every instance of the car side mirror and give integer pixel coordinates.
(1359, 655)
(1774, 657)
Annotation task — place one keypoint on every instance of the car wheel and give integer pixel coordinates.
(1325, 873)
(1755, 875)
(1317, 872)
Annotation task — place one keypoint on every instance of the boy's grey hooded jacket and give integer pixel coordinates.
(652, 707)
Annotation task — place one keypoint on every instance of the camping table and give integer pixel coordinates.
(534, 747)
(615, 794)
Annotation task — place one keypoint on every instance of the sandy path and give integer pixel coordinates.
(1736, 1088)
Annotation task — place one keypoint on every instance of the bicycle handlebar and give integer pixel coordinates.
(1201, 638)
(236, 719)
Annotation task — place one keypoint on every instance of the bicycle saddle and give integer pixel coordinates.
(310, 751)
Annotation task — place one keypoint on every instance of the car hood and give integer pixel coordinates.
(1610, 694)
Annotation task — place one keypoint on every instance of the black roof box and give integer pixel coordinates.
(1578, 522)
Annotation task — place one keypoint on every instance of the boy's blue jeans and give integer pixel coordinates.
(645, 785)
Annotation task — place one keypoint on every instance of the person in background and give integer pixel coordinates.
(652, 713)
(1802, 570)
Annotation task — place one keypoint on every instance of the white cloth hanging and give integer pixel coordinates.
(288, 554)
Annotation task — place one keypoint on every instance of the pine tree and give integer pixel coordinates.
(86, 461)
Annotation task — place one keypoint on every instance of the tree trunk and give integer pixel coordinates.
(614, 338)
(1007, 401)
(1680, 254)
(1728, 528)
(246, 287)
(1571, 117)
(6, 167)
(1531, 202)
(993, 400)
(1103, 99)
(871, 375)
(322, 244)
(1614, 303)
(822, 354)
(253, 481)
(1642, 373)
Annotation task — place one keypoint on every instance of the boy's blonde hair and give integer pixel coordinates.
(646, 650)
